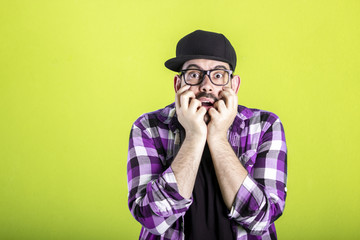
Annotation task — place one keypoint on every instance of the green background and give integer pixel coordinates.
(75, 74)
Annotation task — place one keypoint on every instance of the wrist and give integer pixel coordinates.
(195, 137)
(217, 138)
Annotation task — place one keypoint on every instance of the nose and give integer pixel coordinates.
(206, 85)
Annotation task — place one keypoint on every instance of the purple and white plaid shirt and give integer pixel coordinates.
(256, 136)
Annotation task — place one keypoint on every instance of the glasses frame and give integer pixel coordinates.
(206, 73)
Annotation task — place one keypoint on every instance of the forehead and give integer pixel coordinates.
(205, 64)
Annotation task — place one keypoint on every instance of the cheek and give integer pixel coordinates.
(217, 91)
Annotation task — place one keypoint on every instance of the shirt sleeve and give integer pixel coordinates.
(154, 198)
(261, 198)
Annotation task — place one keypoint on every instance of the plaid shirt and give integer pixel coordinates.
(256, 136)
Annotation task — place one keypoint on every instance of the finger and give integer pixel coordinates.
(185, 99)
(226, 96)
(183, 89)
(234, 94)
(178, 94)
(202, 111)
(213, 113)
(220, 105)
(194, 105)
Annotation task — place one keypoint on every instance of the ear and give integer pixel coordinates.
(177, 83)
(235, 83)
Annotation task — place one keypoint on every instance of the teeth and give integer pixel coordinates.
(206, 103)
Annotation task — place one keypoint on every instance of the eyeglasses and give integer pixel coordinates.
(218, 77)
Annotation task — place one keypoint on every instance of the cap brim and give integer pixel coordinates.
(175, 64)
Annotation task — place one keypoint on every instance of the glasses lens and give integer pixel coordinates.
(219, 77)
(193, 76)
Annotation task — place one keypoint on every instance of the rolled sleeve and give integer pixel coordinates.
(153, 199)
(164, 196)
(261, 198)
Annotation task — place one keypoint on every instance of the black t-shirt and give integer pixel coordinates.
(207, 215)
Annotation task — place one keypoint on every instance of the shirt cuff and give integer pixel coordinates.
(248, 199)
(164, 196)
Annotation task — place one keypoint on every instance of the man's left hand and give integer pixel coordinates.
(222, 114)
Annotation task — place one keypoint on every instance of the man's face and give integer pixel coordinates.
(206, 91)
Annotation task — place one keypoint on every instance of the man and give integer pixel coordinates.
(205, 167)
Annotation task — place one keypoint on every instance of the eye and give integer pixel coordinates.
(194, 75)
(218, 75)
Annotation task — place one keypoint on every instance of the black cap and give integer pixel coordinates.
(202, 45)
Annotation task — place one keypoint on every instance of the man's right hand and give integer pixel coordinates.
(190, 113)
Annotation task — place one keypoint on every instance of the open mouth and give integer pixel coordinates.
(207, 100)
(207, 104)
